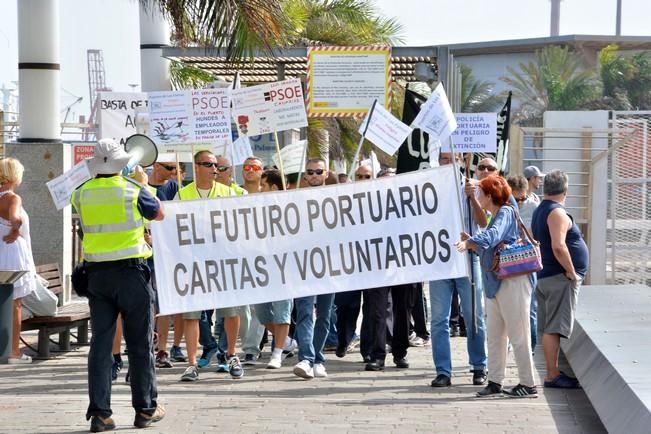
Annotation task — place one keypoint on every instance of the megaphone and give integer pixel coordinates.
(143, 151)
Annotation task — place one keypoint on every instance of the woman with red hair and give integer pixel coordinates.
(507, 300)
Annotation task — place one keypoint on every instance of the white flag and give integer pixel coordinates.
(384, 130)
(435, 116)
(292, 156)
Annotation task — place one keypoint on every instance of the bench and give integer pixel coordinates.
(75, 314)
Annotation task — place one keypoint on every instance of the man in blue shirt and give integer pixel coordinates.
(565, 264)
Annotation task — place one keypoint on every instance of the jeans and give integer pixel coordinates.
(121, 289)
(332, 340)
(533, 315)
(311, 335)
(440, 298)
(206, 338)
(251, 331)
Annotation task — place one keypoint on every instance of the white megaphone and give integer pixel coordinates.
(143, 151)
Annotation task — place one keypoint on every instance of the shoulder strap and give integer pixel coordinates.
(524, 231)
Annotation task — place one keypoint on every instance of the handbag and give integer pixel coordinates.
(522, 257)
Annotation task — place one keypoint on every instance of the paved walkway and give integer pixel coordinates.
(50, 397)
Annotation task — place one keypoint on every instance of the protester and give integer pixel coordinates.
(310, 334)
(507, 300)
(16, 247)
(224, 175)
(276, 315)
(534, 180)
(565, 264)
(115, 252)
(441, 295)
(526, 206)
(204, 186)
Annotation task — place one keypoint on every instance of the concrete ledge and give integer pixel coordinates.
(609, 352)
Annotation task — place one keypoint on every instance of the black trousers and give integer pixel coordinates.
(125, 289)
(348, 306)
(373, 337)
(403, 297)
(419, 314)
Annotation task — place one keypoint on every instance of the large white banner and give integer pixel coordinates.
(117, 114)
(266, 108)
(234, 251)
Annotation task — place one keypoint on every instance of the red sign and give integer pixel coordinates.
(79, 152)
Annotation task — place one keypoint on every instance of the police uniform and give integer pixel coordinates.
(113, 210)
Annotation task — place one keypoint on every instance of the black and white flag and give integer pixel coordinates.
(502, 154)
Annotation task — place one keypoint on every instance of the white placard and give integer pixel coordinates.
(385, 131)
(117, 114)
(62, 186)
(190, 117)
(241, 150)
(476, 132)
(293, 157)
(251, 249)
(435, 116)
(267, 108)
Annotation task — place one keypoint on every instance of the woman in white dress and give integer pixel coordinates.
(16, 246)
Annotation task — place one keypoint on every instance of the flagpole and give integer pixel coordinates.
(361, 141)
(280, 161)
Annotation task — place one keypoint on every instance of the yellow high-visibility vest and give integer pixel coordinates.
(190, 192)
(112, 224)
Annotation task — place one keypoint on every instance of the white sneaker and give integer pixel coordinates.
(320, 370)
(22, 360)
(274, 363)
(304, 370)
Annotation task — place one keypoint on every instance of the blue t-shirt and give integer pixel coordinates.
(166, 191)
(573, 239)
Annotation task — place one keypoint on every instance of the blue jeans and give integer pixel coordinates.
(125, 289)
(533, 315)
(311, 335)
(440, 292)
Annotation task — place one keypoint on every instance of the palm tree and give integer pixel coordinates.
(555, 79)
(477, 96)
(626, 80)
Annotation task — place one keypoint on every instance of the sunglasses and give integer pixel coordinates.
(206, 164)
(489, 168)
(363, 176)
(314, 171)
(251, 168)
(166, 167)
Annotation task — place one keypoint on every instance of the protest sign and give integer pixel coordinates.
(268, 108)
(384, 130)
(344, 81)
(241, 150)
(81, 151)
(293, 156)
(235, 251)
(188, 117)
(62, 186)
(476, 132)
(117, 114)
(435, 116)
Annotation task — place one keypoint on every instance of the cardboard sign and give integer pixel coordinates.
(267, 108)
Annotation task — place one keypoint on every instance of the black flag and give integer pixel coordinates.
(501, 157)
(413, 154)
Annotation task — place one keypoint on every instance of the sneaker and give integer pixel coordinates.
(163, 360)
(492, 389)
(222, 365)
(417, 342)
(144, 420)
(115, 370)
(319, 370)
(176, 354)
(24, 359)
(206, 356)
(522, 391)
(563, 381)
(235, 367)
(478, 377)
(99, 424)
(250, 360)
(191, 374)
(303, 369)
(275, 363)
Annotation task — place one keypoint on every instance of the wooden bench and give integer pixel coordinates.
(75, 314)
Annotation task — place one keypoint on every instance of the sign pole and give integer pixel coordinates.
(300, 170)
(361, 141)
(280, 161)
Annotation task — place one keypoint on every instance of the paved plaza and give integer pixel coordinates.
(50, 397)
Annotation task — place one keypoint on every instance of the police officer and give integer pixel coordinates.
(112, 209)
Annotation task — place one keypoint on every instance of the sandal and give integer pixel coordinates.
(24, 359)
(563, 381)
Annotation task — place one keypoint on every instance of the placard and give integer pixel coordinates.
(476, 132)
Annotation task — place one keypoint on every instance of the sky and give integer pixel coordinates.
(112, 26)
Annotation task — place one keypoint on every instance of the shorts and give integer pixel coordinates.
(557, 299)
(224, 312)
(192, 315)
(275, 312)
